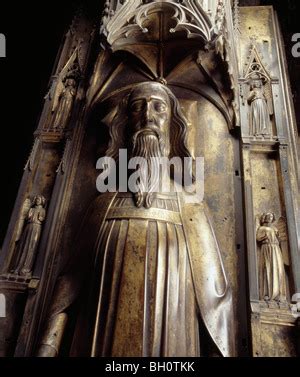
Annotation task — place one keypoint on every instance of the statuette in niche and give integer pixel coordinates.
(29, 233)
(273, 278)
(260, 122)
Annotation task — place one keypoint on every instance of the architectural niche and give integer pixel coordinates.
(138, 271)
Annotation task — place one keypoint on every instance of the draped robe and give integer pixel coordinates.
(154, 275)
(273, 272)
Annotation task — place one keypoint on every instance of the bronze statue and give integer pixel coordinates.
(65, 103)
(273, 279)
(22, 218)
(30, 229)
(155, 280)
(63, 92)
(259, 112)
(139, 272)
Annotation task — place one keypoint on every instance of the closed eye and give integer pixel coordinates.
(137, 106)
(160, 107)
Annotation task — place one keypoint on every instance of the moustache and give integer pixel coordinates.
(148, 131)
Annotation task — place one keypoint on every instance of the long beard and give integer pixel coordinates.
(150, 147)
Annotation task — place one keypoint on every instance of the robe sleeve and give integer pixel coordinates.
(261, 234)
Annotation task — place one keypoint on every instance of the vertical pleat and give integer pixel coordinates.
(147, 294)
(107, 246)
(183, 288)
(116, 274)
(171, 299)
(160, 271)
(130, 311)
(188, 306)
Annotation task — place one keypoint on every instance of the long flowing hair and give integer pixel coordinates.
(120, 138)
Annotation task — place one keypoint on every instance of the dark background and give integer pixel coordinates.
(34, 31)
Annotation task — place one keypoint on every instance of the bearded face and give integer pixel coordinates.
(142, 125)
(149, 114)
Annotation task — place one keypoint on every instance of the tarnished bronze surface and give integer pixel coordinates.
(158, 271)
(50, 344)
(30, 229)
(146, 273)
(273, 279)
(270, 191)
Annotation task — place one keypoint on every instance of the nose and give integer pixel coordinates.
(149, 112)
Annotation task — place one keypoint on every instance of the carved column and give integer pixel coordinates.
(44, 174)
(268, 173)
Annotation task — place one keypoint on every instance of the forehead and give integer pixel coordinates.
(149, 91)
